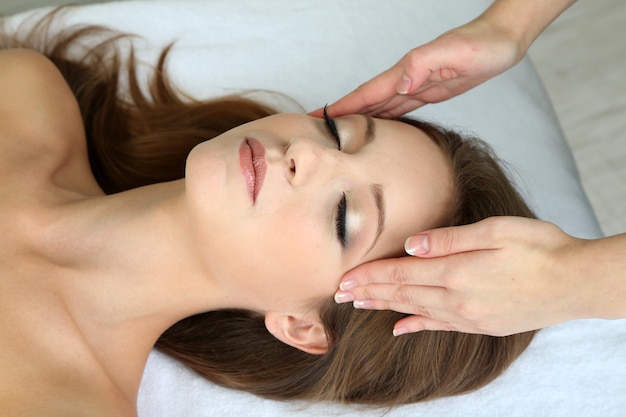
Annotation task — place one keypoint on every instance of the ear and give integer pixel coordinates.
(302, 333)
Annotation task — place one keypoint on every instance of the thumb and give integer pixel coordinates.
(451, 240)
(417, 66)
(404, 85)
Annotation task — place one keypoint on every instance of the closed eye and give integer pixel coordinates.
(340, 221)
(342, 207)
(332, 128)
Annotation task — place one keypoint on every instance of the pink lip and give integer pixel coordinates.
(253, 166)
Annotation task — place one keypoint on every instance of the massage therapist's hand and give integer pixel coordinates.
(447, 66)
(500, 276)
(455, 61)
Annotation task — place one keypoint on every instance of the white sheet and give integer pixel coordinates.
(315, 52)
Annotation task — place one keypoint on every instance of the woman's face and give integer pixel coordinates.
(281, 213)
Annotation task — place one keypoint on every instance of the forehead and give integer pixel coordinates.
(416, 177)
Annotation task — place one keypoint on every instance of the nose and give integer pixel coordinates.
(308, 159)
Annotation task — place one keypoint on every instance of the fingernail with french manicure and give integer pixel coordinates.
(417, 245)
(347, 285)
(362, 304)
(400, 331)
(343, 297)
(404, 85)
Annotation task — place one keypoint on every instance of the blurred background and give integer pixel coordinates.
(581, 58)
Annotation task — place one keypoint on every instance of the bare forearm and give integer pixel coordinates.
(525, 19)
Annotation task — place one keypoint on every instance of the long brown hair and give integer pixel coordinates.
(143, 137)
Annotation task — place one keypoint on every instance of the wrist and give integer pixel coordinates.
(516, 43)
(524, 20)
(577, 279)
(602, 266)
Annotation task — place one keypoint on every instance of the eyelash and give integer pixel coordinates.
(332, 128)
(342, 207)
(340, 222)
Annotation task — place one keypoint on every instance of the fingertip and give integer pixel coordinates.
(416, 324)
(417, 245)
(343, 297)
(399, 331)
(337, 109)
(412, 324)
(363, 304)
(404, 85)
(347, 284)
(316, 113)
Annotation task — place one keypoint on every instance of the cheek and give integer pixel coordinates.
(291, 264)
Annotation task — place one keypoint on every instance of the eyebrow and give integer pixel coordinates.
(376, 189)
(379, 198)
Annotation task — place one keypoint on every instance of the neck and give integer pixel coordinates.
(134, 273)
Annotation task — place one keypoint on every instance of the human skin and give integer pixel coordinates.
(500, 276)
(306, 178)
(81, 269)
(454, 62)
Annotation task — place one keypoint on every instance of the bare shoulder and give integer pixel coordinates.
(41, 129)
(34, 91)
(29, 78)
(39, 116)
